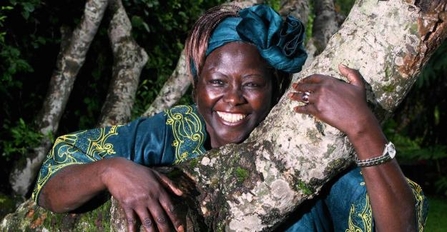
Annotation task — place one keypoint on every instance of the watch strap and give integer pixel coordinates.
(388, 154)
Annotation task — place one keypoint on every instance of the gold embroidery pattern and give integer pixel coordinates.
(421, 204)
(188, 132)
(65, 149)
(99, 146)
(366, 214)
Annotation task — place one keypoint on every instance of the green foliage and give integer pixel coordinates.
(413, 151)
(23, 139)
(303, 187)
(344, 6)
(12, 62)
(418, 126)
(441, 185)
(241, 174)
(27, 7)
(437, 217)
(7, 205)
(2, 19)
(161, 28)
(275, 4)
(17, 139)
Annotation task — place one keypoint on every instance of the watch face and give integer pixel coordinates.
(391, 150)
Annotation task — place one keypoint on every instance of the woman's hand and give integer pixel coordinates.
(340, 104)
(142, 193)
(343, 105)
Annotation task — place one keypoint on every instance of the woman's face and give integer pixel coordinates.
(234, 92)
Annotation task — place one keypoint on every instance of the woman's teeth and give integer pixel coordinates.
(229, 117)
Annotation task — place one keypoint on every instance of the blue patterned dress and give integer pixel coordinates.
(178, 134)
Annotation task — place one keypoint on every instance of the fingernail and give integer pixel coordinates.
(180, 229)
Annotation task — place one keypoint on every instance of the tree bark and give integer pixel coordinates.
(129, 60)
(325, 24)
(70, 60)
(288, 158)
(173, 89)
(299, 9)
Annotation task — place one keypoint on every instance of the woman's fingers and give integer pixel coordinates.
(166, 202)
(144, 195)
(152, 218)
(159, 218)
(307, 84)
(168, 183)
(146, 219)
(353, 75)
(303, 97)
(305, 109)
(131, 220)
(169, 209)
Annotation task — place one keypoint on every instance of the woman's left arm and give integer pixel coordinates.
(343, 105)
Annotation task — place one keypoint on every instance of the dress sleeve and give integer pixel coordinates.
(169, 137)
(129, 141)
(352, 212)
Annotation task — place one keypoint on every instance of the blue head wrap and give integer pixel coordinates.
(279, 42)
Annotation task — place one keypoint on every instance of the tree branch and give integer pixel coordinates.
(130, 59)
(70, 60)
(290, 157)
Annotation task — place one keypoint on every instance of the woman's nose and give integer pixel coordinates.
(234, 96)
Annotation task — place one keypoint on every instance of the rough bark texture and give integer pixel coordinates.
(326, 23)
(70, 60)
(299, 9)
(129, 60)
(287, 159)
(173, 89)
(252, 186)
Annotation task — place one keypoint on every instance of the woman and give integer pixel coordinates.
(241, 63)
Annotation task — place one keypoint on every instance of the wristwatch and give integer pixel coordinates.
(388, 154)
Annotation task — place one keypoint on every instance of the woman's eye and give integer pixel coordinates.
(216, 82)
(252, 84)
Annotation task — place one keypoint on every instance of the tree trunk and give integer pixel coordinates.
(129, 60)
(173, 89)
(70, 60)
(288, 158)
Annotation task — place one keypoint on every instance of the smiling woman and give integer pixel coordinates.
(240, 62)
(234, 92)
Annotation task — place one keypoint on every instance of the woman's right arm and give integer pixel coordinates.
(140, 191)
(73, 186)
(84, 164)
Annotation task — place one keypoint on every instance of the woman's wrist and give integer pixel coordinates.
(388, 154)
(107, 169)
(369, 142)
